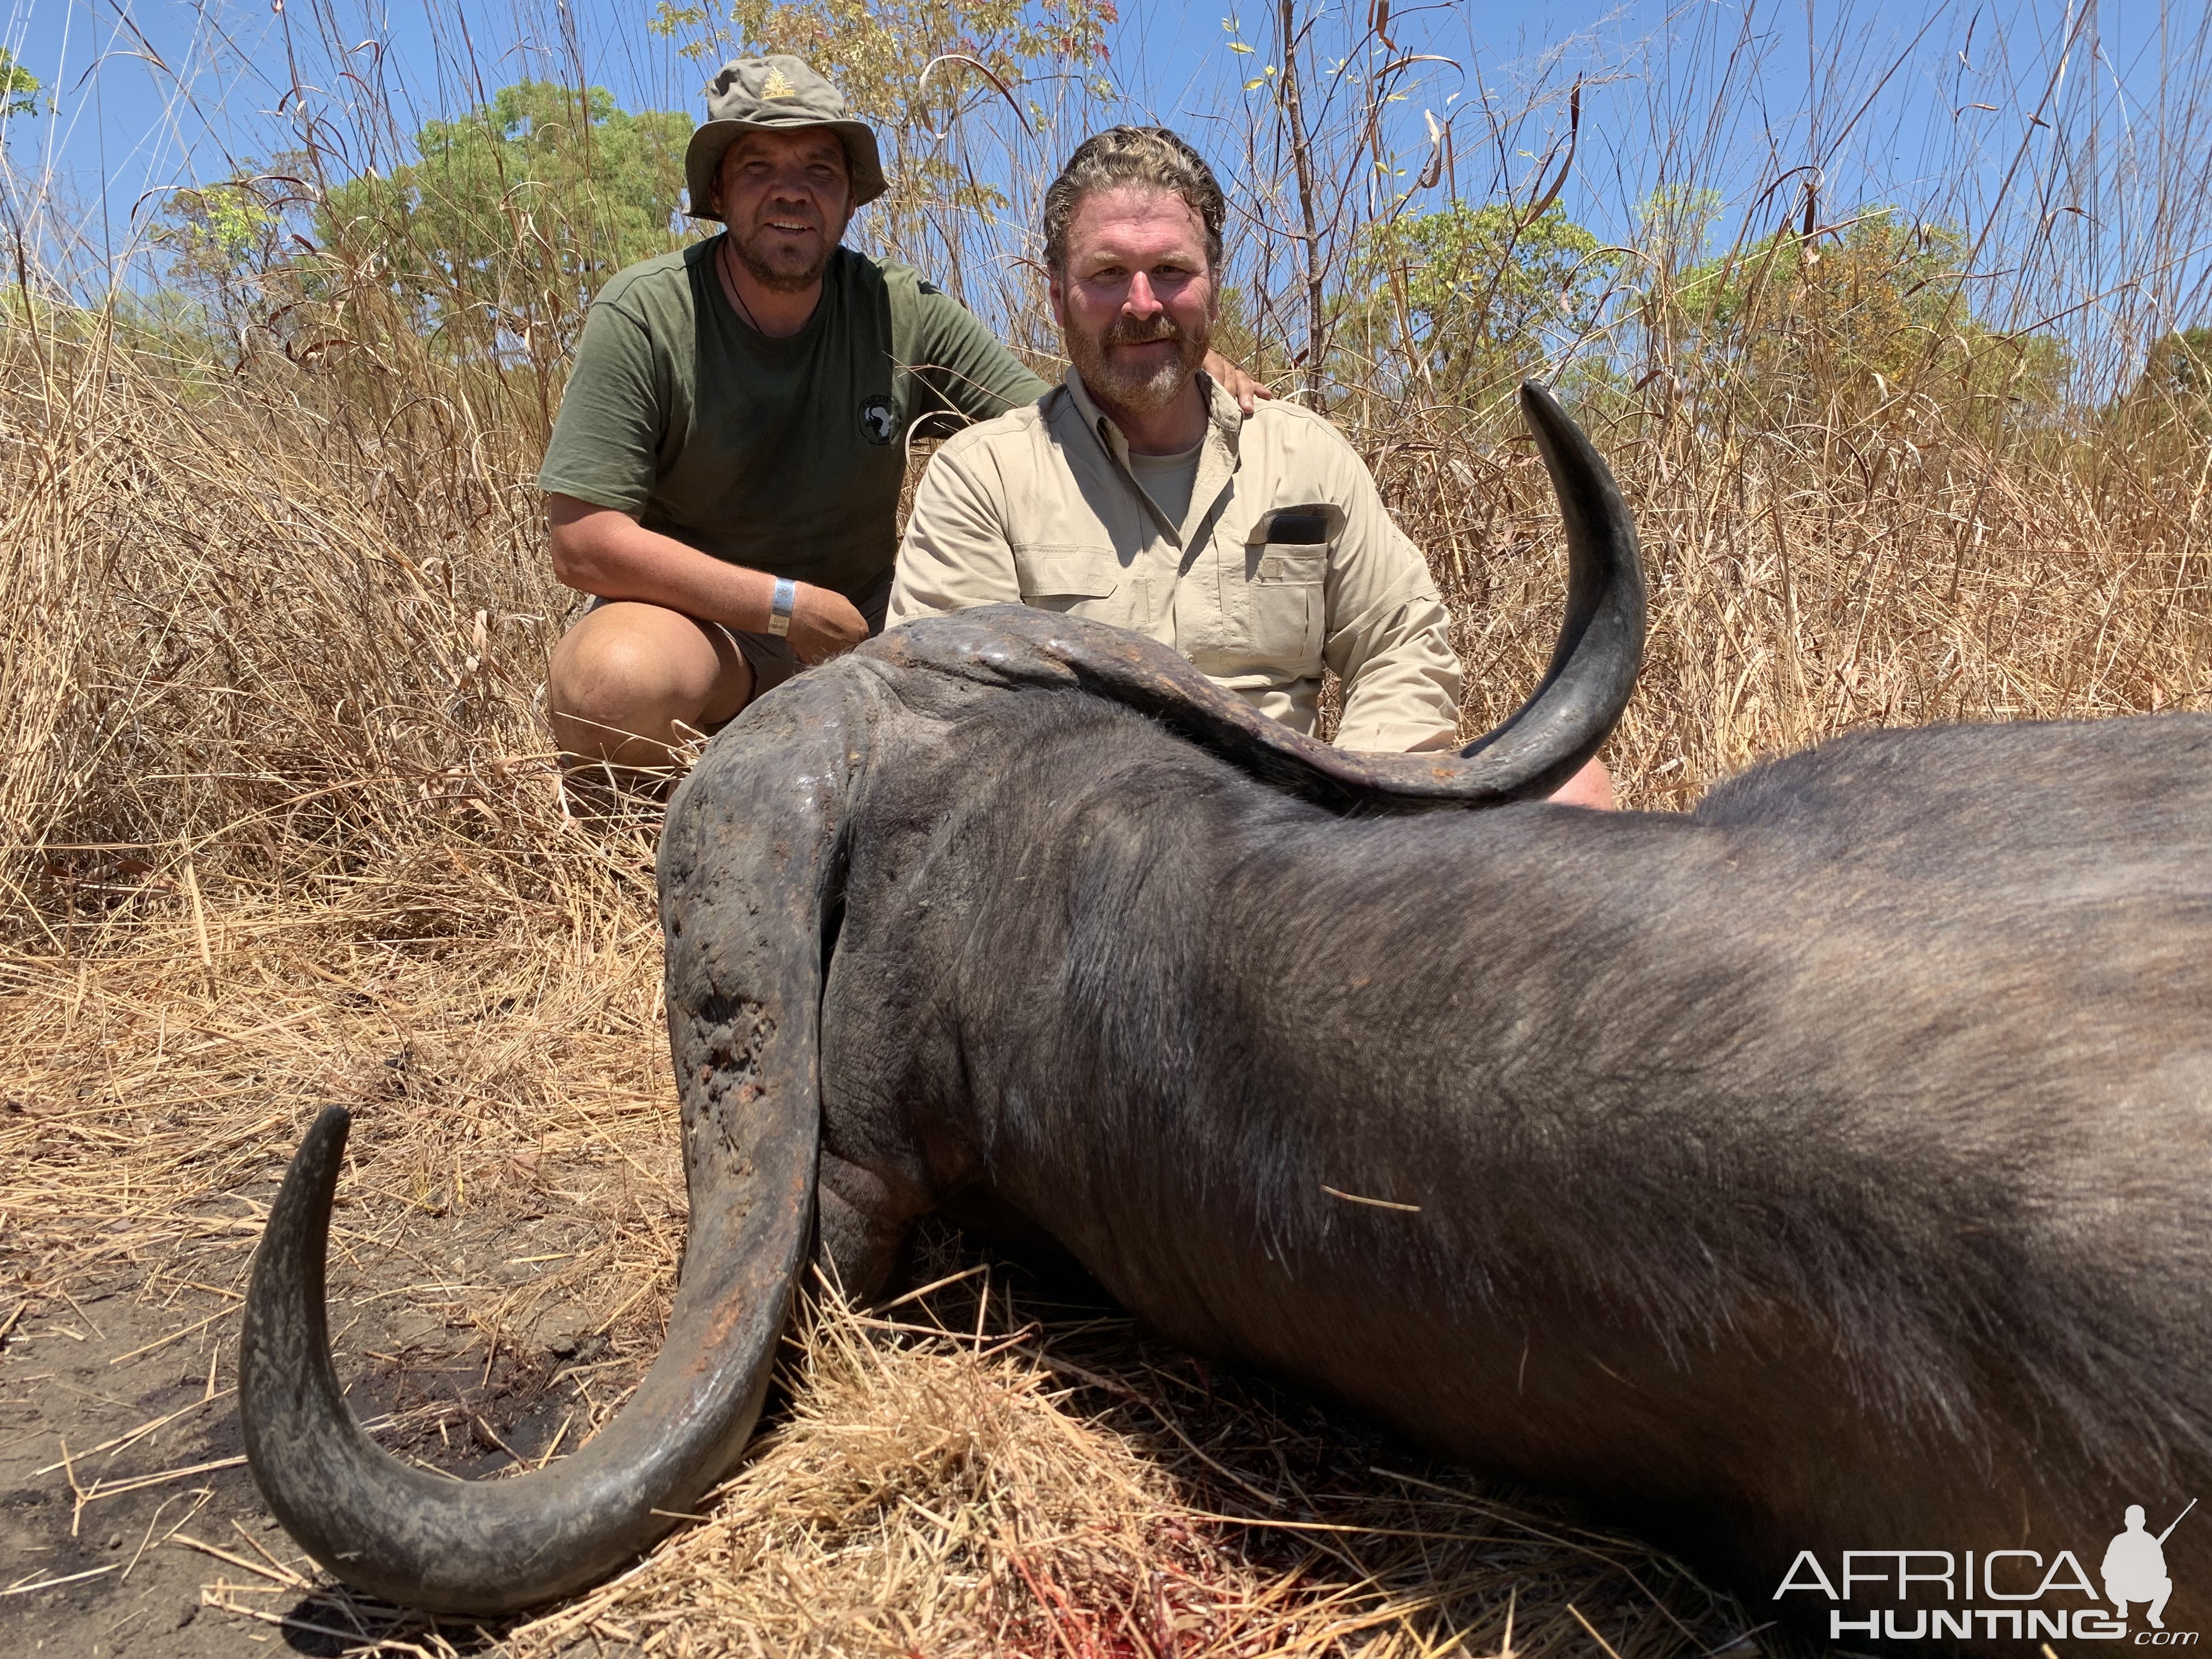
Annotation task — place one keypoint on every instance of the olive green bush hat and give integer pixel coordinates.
(775, 94)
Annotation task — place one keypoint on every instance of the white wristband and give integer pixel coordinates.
(782, 606)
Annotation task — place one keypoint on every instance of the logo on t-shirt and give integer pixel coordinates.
(879, 419)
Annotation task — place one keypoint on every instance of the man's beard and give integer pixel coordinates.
(1124, 384)
(782, 279)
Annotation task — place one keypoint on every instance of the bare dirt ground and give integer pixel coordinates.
(121, 1482)
(143, 1127)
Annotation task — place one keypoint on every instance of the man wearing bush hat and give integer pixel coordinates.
(724, 475)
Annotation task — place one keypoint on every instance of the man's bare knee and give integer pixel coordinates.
(1591, 787)
(626, 678)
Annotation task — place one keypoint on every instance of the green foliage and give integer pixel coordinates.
(1470, 296)
(876, 53)
(1674, 222)
(2171, 401)
(19, 88)
(2180, 369)
(1850, 325)
(512, 215)
(220, 239)
(1238, 337)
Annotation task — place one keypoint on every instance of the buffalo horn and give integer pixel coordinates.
(742, 992)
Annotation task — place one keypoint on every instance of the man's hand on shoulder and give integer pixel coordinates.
(824, 623)
(1234, 381)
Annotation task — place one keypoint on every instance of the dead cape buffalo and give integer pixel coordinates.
(1824, 1171)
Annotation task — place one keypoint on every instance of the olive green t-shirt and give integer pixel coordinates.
(782, 455)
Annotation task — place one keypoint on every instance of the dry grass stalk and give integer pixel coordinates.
(936, 1490)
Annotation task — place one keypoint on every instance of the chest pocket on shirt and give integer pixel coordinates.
(1068, 578)
(1285, 556)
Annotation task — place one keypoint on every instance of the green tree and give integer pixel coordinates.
(2171, 400)
(1238, 336)
(19, 96)
(19, 88)
(1472, 299)
(1850, 324)
(1673, 226)
(2179, 369)
(495, 237)
(223, 240)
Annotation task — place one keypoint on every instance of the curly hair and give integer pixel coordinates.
(1133, 155)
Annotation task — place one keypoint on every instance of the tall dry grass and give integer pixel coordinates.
(1798, 594)
(278, 826)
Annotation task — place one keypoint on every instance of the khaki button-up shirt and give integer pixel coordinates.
(1287, 560)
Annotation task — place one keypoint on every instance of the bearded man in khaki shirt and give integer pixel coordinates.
(1138, 494)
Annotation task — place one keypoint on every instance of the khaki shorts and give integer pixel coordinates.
(769, 655)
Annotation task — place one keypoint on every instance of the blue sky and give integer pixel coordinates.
(2027, 104)
(152, 93)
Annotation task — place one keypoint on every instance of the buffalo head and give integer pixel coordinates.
(752, 872)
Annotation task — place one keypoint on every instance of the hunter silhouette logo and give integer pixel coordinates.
(1923, 1594)
(2135, 1566)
